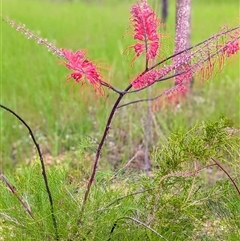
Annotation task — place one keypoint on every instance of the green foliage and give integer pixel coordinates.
(201, 143)
(62, 113)
(178, 203)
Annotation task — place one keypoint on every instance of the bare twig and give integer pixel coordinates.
(125, 166)
(192, 185)
(231, 179)
(15, 193)
(126, 196)
(175, 174)
(166, 92)
(100, 146)
(138, 222)
(11, 219)
(147, 134)
(185, 174)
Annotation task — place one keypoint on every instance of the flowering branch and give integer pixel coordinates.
(204, 58)
(198, 58)
(231, 49)
(151, 76)
(87, 70)
(82, 67)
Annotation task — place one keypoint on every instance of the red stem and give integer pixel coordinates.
(14, 192)
(44, 173)
(231, 179)
(98, 153)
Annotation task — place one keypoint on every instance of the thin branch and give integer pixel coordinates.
(231, 179)
(103, 83)
(151, 99)
(42, 166)
(126, 196)
(138, 222)
(147, 126)
(175, 174)
(15, 193)
(125, 166)
(11, 219)
(185, 174)
(100, 146)
(192, 186)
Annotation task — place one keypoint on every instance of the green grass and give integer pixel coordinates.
(33, 80)
(175, 204)
(67, 120)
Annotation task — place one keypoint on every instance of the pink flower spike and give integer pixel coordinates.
(150, 77)
(83, 69)
(145, 24)
(231, 47)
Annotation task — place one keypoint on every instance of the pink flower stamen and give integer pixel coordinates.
(83, 69)
(232, 45)
(150, 77)
(145, 24)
